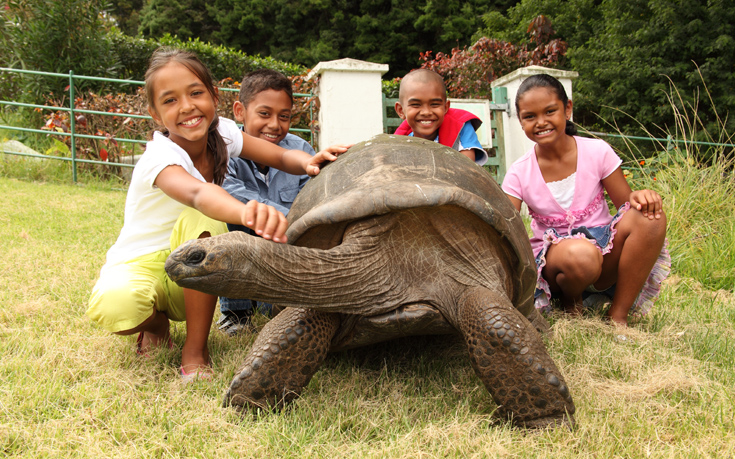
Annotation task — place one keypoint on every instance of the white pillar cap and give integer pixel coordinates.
(525, 72)
(347, 65)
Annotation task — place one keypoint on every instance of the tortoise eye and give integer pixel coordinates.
(196, 257)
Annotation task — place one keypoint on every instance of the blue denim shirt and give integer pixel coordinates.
(278, 189)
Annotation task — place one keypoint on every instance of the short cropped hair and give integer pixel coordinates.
(423, 76)
(261, 80)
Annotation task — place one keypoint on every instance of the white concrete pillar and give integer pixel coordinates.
(515, 141)
(350, 100)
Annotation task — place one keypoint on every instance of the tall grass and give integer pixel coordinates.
(697, 183)
(699, 201)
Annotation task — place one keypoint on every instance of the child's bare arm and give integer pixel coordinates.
(329, 154)
(515, 201)
(470, 153)
(647, 201)
(294, 162)
(214, 202)
(617, 187)
(269, 154)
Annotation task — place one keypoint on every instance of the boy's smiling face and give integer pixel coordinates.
(267, 116)
(423, 105)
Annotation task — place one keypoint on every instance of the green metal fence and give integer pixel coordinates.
(497, 161)
(669, 141)
(73, 133)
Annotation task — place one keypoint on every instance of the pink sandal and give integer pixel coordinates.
(198, 374)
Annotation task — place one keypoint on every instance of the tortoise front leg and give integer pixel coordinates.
(284, 357)
(510, 358)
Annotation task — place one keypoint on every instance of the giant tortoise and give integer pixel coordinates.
(398, 237)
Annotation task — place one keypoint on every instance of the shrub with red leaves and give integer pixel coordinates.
(468, 72)
(120, 125)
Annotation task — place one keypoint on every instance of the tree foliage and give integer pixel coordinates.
(306, 32)
(469, 71)
(182, 18)
(56, 36)
(127, 15)
(632, 55)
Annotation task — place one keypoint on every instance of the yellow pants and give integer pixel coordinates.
(127, 294)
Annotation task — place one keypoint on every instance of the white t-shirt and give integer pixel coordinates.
(150, 214)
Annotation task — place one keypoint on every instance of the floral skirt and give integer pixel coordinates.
(602, 237)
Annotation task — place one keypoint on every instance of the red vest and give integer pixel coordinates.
(453, 122)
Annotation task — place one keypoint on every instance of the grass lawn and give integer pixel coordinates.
(662, 388)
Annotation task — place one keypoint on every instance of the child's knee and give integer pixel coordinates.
(192, 224)
(657, 230)
(660, 224)
(585, 259)
(580, 259)
(652, 228)
(117, 305)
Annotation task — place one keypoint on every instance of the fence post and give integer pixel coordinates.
(500, 98)
(350, 100)
(72, 122)
(516, 142)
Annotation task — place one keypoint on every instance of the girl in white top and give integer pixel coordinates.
(175, 196)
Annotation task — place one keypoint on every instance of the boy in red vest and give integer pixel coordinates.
(424, 108)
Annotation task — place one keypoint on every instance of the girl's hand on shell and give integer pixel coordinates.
(267, 221)
(329, 154)
(648, 202)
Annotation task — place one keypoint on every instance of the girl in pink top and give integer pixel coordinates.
(562, 180)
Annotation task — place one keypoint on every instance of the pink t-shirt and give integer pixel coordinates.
(595, 161)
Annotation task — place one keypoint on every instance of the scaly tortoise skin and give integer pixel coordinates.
(398, 237)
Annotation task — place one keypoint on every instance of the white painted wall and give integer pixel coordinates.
(351, 100)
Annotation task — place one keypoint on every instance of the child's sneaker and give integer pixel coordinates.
(233, 323)
(597, 302)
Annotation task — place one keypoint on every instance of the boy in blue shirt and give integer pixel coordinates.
(264, 108)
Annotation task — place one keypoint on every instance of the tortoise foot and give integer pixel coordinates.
(510, 358)
(282, 361)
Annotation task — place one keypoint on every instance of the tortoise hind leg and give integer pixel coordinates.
(510, 358)
(284, 357)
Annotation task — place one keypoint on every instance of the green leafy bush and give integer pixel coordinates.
(55, 36)
(468, 72)
(134, 53)
(390, 87)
